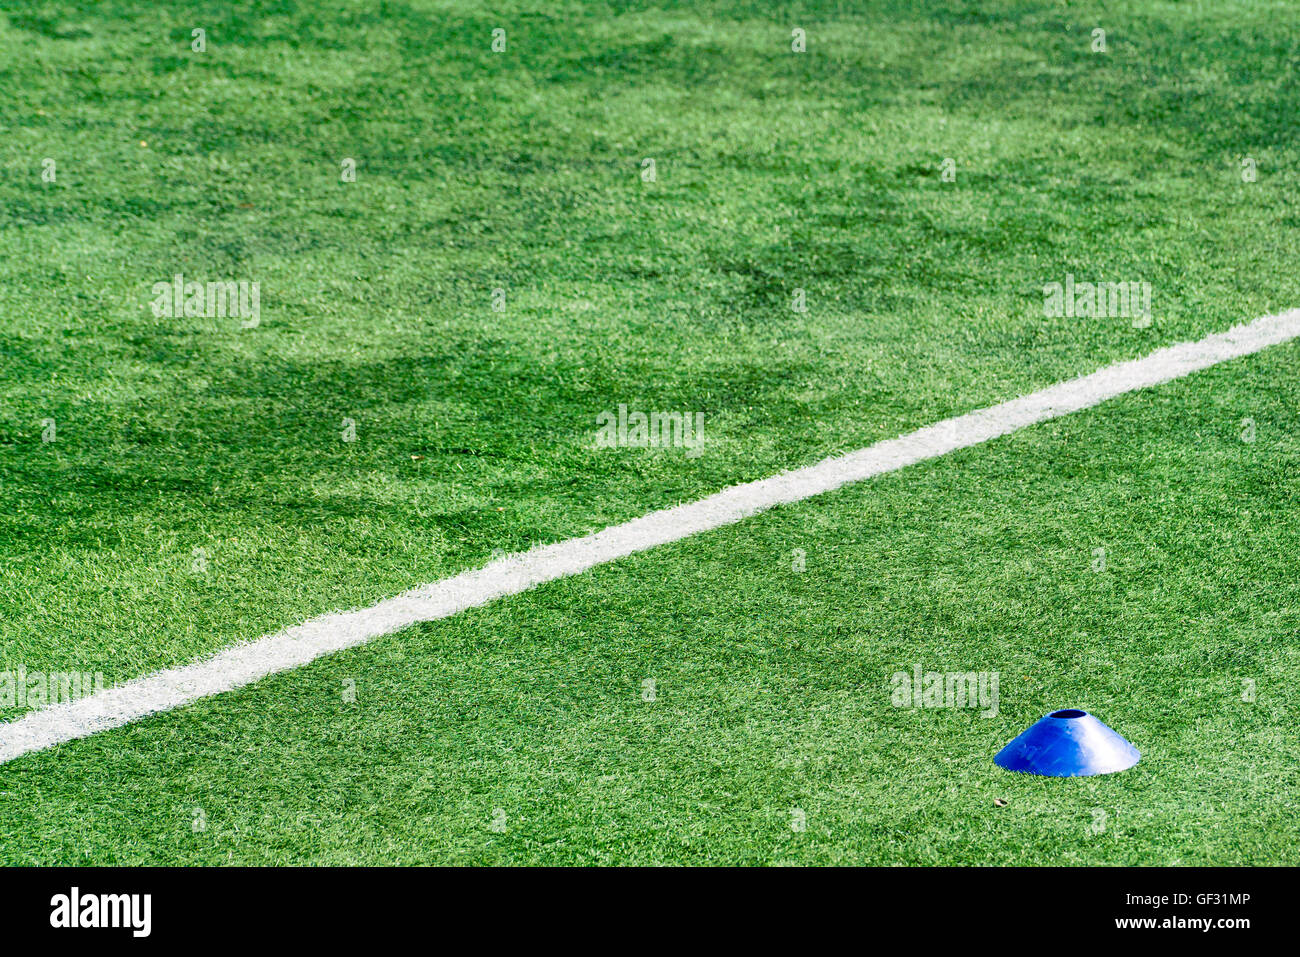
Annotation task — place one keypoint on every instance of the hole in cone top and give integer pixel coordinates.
(1068, 713)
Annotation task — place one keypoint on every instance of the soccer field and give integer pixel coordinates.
(446, 256)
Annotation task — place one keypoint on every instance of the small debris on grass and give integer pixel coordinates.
(999, 802)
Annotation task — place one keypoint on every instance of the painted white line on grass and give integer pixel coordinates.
(243, 664)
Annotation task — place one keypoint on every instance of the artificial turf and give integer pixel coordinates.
(522, 171)
(522, 732)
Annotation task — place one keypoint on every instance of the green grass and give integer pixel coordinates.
(772, 688)
(521, 170)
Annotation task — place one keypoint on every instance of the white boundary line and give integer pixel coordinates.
(243, 664)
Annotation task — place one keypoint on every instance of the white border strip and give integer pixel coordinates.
(243, 664)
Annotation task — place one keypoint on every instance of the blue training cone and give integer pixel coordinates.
(1068, 744)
